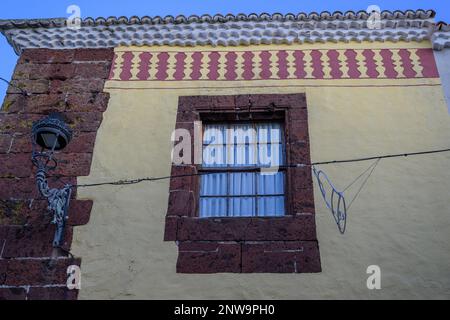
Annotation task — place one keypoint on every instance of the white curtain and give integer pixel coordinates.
(242, 145)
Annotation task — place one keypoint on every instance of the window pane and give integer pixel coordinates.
(270, 155)
(213, 207)
(242, 155)
(270, 206)
(241, 133)
(214, 152)
(242, 183)
(270, 144)
(242, 207)
(271, 184)
(270, 132)
(214, 134)
(214, 156)
(213, 184)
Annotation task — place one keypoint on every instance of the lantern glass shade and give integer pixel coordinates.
(50, 141)
(52, 133)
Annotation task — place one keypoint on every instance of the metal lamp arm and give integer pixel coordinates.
(58, 203)
(42, 183)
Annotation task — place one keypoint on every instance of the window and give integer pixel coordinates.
(232, 184)
(231, 217)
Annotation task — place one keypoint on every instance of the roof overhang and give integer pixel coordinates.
(228, 30)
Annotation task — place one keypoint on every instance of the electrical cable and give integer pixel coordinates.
(14, 86)
(383, 157)
(373, 166)
(358, 177)
(336, 204)
(150, 179)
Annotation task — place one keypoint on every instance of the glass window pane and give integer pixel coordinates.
(214, 156)
(242, 207)
(213, 184)
(213, 207)
(214, 134)
(241, 145)
(242, 183)
(269, 132)
(270, 155)
(214, 152)
(270, 141)
(270, 206)
(241, 133)
(271, 184)
(242, 155)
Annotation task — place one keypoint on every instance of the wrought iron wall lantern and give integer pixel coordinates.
(49, 135)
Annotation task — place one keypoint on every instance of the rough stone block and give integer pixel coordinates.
(209, 257)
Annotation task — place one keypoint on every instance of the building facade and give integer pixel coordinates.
(336, 88)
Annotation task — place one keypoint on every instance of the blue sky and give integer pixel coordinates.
(13, 9)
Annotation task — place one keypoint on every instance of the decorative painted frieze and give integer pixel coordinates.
(274, 65)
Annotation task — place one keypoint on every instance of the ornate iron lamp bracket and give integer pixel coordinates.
(58, 203)
(52, 134)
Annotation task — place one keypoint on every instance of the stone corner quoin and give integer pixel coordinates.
(70, 82)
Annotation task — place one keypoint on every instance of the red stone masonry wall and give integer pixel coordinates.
(70, 82)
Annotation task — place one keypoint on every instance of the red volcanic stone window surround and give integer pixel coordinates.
(70, 82)
(285, 244)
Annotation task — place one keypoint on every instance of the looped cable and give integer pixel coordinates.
(336, 203)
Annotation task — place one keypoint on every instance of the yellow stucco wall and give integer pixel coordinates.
(401, 221)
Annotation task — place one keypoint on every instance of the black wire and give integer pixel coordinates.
(362, 174)
(9, 83)
(364, 183)
(383, 157)
(136, 181)
(67, 252)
